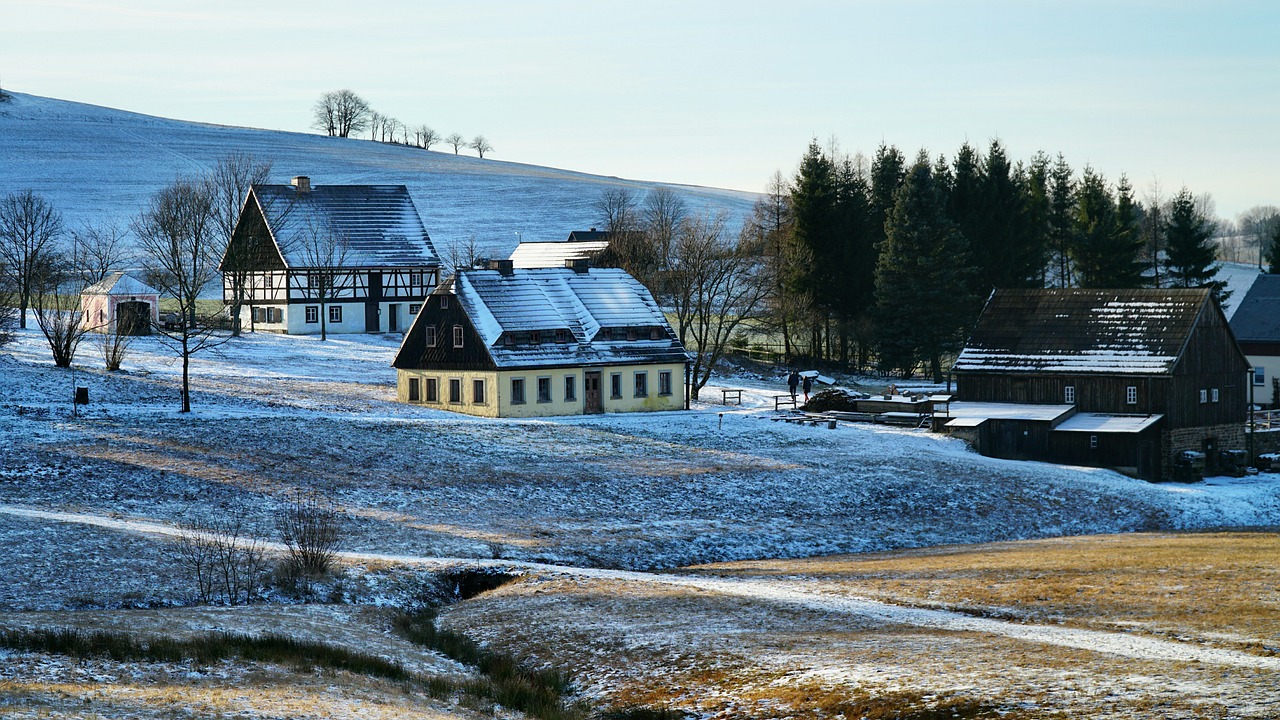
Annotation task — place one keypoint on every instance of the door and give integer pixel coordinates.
(591, 393)
(133, 318)
(371, 309)
(393, 317)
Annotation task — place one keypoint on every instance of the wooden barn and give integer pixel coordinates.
(1136, 377)
(1256, 324)
(355, 258)
(507, 342)
(120, 303)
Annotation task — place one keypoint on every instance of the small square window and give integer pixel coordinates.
(415, 390)
(1213, 395)
(313, 314)
(455, 390)
(335, 313)
(1131, 395)
(1093, 442)
(615, 385)
(570, 388)
(414, 308)
(642, 384)
(517, 391)
(544, 389)
(664, 382)
(431, 336)
(457, 336)
(477, 392)
(1069, 394)
(1259, 376)
(433, 390)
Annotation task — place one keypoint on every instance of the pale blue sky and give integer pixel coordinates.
(707, 93)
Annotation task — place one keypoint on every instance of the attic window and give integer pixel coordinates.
(457, 336)
(535, 338)
(508, 339)
(562, 336)
(631, 333)
(444, 302)
(431, 335)
(618, 333)
(653, 333)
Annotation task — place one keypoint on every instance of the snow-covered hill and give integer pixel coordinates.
(97, 163)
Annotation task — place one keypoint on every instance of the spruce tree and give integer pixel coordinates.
(854, 269)
(1190, 256)
(1127, 268)
(1033, 184)
(1273, 254)
(1061, 220)
(923, 278)
(887, 169)
(814, 217)
(1015, 255)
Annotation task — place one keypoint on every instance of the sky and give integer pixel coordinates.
(720, 94)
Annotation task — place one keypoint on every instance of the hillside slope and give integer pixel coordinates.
(97, 163)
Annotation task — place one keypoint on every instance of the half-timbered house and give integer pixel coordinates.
(1256, 324)
(507, 342)
(350, 258)
(1135, 377)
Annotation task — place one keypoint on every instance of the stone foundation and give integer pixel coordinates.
(1266, 441)
(1227, 437)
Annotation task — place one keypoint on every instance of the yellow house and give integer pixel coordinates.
(505, 342)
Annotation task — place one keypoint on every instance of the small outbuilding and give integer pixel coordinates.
(120, 303)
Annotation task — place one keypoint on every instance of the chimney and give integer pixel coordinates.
(504, 267)
(302, 182)
(578, 265)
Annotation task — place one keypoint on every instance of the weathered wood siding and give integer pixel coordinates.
(416, 354)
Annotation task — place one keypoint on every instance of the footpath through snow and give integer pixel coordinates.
(779, 592)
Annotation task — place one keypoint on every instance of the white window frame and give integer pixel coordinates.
(1069, 394)
(313, 314)
(1213, 395)
(477, 391)
(335, 313)
(1204, 396)
(1260, 375)
(414, 308)
(457, 336)
(544, 382)
(1131, 395)
(431, 335)
(664, 382)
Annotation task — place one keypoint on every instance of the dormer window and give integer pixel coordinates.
(508, 339)
(654, 334)
(631, 333)
(535, 338)
(618, 333)
(562, 336)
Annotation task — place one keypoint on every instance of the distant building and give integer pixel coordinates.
(1256, 324)
(507, 342)
(366, 242)
(581, 245)
(120, 302)
(1125, 379)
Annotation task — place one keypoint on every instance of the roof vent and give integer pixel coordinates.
(504, 267)
(578, 265)
(302, 182)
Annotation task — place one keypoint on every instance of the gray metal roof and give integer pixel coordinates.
(120, 283)
(1257, 319)
(380, 224)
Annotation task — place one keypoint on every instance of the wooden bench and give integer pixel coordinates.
(781, 401)
(731, 393)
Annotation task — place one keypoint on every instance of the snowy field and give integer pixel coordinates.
(100, 164)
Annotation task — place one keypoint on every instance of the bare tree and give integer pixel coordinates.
(113, 343)
(457, 141)
(340, 113)
(178, 236)
(480, 145)
(1259, 223)
(228, 185)
(662, 214)
(427, 137)
(461, 255)
(713, 286)
(227, 565)
(8, 309)
(324, 252)
(376, 121)
(58, 312)
(309, 525)
(30, 229)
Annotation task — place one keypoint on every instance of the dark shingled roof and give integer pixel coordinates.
(380, 223)
(1257, 319)
(1073, 331)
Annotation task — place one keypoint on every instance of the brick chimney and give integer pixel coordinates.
(302, 182)
(504, 267)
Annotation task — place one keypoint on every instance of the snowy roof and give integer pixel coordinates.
(553, 254)
(581, 304)
(1100, 423)
(1257, 318)
(120, 283)
(379, 223)
(1005, 411)
(1083, 331)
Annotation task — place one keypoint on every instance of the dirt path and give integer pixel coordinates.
(784, 592)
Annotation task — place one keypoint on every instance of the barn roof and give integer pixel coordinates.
(120, 283)
(553, 254)
(1257, 319)
(1083, 331)
(379, 222)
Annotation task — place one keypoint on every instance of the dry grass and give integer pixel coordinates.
(1219, 587)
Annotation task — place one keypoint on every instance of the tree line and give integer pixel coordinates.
(342, 113)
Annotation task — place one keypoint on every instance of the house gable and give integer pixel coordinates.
(443, 312)
(252, 246)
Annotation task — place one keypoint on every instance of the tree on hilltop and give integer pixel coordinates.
(340, 113)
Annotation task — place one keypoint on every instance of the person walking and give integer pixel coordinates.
(808, 385)
(793, 382)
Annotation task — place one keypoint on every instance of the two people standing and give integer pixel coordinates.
(794, 380)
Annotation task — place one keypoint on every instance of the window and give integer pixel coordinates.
(562, 336)
(457, 336)
(618, 333)
(1204, 396)
(444, 302)
(642, 384)
(1093, 442)
(1131, 395)
(313, 314)
(631, 333)
(431, 336)
(455, 390)
(413, 309)
(653, 333)
(517, 391)
(544, 389)
(335, 313)
(615, 385)
(415, 390)
(415, 278)
(1069, 394)
(535, 338)
(259, 315)
(1259, 376)
(433, 390)
(477, 392)
(664, 382)
(275, 315)
(570, 388)
(1213, 395)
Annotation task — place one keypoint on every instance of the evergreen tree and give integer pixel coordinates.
(1126, 242)
(923, 278)
(1190, 260)
(965, 207)
(1014, 258)
(1061, 219)
(1273, 254)
(814, 216)
(1106, 247)
(887, 170)
(852, 282)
